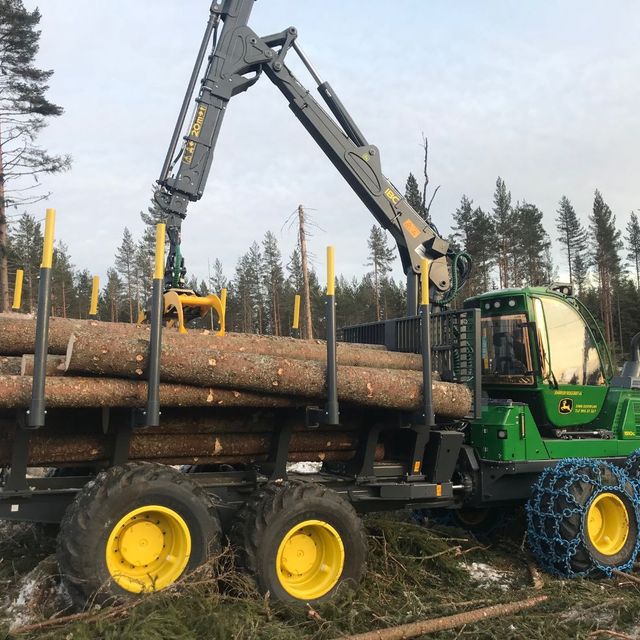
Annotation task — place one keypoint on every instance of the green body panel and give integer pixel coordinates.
(586, 403)
(521, 421)
(507, 432)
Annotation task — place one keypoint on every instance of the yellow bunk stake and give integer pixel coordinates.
(47, 249)
(424, 281)
(95, 290)
(295, 326)
(17, 291)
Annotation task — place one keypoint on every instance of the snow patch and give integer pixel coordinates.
(304, 467)
(487, 576)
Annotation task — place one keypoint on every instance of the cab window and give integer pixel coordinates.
(506, 353)
(573, 357)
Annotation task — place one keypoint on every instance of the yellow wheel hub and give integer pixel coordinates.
(608, 524)
(310, 560)
(148, 549)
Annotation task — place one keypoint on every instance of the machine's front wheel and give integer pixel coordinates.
(583, 518)
(300, 541)
(135, 529)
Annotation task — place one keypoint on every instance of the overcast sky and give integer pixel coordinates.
(544, 94)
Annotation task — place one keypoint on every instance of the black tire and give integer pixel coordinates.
(558, 514)
(632, 465)
(272, 513)
(102, 504)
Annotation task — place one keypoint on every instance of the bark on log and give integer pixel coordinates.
(229, 448)
(424, 627)
(17, 337)
(77, 392)
(10, 365)
(18, 333)
(282, 347)
(55, 365)
(188, 362)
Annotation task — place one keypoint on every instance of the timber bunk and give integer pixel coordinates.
(392, 447)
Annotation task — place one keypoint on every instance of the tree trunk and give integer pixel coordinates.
(189, 362)
(74, 392)
(427, 627)
(305, 274)
(5, 304)
(17, 337)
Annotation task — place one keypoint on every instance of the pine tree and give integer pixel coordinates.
(604, 250)
(218, 281)
(62, 282)
(503, 224)
(112, 296)
(380, 258)
(530, 245)
(413, 196)
(26, 251)
(24, 109)
(572, 234)
(83, 284)
(580, 273)
(126, 265)
(632, 241)
(273, 280)
(146, 249)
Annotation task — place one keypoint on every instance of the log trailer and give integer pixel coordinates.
(550, 425)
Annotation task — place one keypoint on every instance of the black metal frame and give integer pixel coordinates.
(455, 345)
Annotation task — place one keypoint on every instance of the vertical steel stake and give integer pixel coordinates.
(332, 410)
(36, 414)
(155, 342)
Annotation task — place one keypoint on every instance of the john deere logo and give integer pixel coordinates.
(566, 405)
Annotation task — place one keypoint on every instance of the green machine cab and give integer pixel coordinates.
(548, 384)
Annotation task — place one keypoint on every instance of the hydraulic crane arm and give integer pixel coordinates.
(237, 60)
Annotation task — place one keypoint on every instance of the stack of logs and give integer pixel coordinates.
(222, 398)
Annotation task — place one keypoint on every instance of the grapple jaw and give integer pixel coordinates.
(183, 305)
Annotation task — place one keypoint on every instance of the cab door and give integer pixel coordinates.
(571, 365)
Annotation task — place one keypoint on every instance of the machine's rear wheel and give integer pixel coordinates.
(300, 541)
(137, 528)
(583, 518)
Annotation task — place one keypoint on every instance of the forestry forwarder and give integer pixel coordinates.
(550, 426)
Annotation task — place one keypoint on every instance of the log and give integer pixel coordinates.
(55, 365)
(189, 362)
(18, 333)
(77, 392)
(224, 448)
(348, 354)
(424, 627)
(17, 337)
(10, 365)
